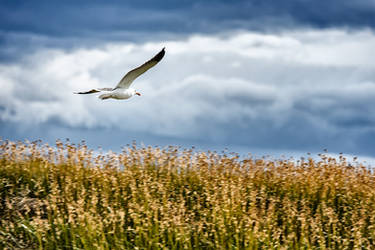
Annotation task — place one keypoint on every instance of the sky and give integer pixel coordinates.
(256, 76)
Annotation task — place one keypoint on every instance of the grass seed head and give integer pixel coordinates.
(147, 197)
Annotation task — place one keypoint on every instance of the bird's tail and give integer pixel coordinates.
(105, 96)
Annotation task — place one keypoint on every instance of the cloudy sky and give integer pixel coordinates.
(256, 76)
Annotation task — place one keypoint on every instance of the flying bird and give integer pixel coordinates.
(123, 90)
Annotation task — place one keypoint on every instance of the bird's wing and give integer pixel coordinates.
(133, 74)
(94, 91)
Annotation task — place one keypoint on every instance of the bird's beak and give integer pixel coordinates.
(137, 93)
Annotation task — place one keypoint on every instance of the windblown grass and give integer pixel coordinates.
(65, 197)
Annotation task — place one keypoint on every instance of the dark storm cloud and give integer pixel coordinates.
(82, 18)
(29, 25)
(288, 85)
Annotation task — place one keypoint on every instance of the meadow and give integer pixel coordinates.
(68, 196)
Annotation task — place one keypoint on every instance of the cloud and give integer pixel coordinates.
(93, 18)
(305, 89)
(29, 25)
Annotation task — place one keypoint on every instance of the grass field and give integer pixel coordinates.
(68, 197)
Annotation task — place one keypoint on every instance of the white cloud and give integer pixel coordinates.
(232, 80)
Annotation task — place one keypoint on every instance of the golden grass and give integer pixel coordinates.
(66, 197)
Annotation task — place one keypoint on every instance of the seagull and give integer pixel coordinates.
(122, 90)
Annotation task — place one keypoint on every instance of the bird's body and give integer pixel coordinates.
(122, 90)
(119, 94)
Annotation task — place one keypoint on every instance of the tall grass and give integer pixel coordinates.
(67, 197)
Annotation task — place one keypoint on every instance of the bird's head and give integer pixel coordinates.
(134, 92)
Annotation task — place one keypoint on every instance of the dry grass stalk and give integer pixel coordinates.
(68, 197)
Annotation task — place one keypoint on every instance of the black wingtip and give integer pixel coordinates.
(160, 55)
(87, 92)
